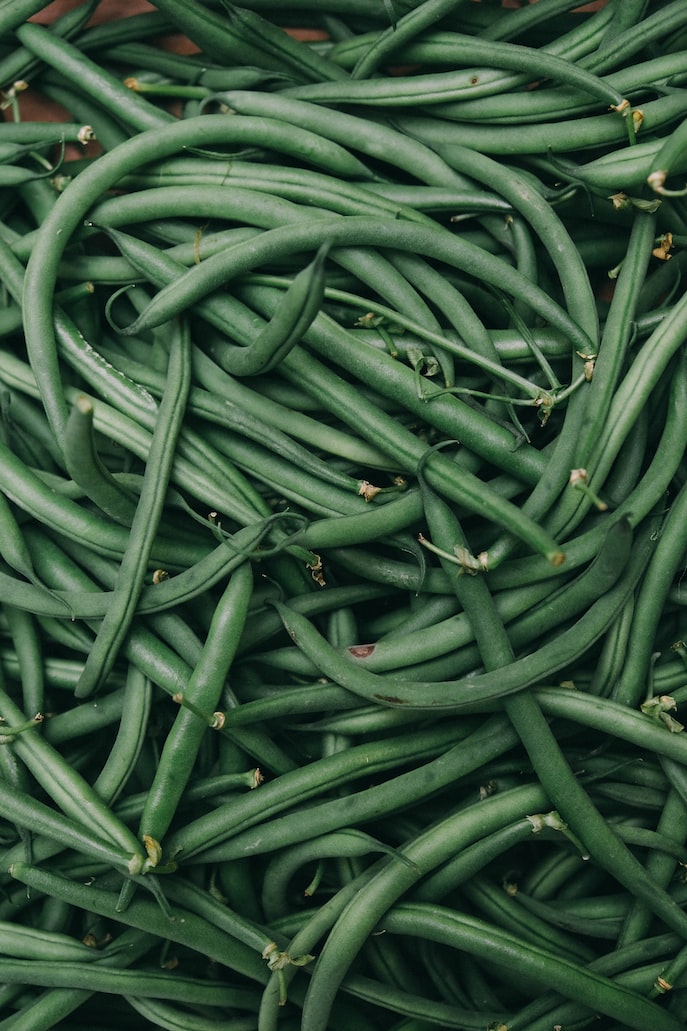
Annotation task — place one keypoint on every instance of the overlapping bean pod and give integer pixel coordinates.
(331, 457)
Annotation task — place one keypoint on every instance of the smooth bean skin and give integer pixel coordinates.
(441, 85)
(72, 63)
(357, 231)
(366, 909)
(72, 206)
(541, 137)
(477, 690)
(144, 914)
(130, 578)
(467, 484)
(203, 692)
(201, 836)
(68, 788)
(598, 992)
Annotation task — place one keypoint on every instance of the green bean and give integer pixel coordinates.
(299, 185)
(660, 865)
(404, 449)
(605, 924)
(117, 620)
(11, 315)
(378, 141)
(158, 1013)
(658, 25)
(513, 517)
(549, 229)
(522, 20)
(29, 652)
(87, 469)
(17, 175)
(322, 495)
(643, 499)
(87, 719)
(374, 899)
(472, 860)
(408, 26)
(612, 350)
(65, 786)
(74, 65)
(543, 104)
(279, 46)
(634, 389)
(223, 313)
(187, 68)
(131, 420)
(127, 745)
(613, 172)
(69, 210)
(531, 926)
(474, 690)
(84, 107)
(87, 604)
(671, 156)
(19, 64)
(399, 999)
(650, 602)
(283, 867)
(301, 303)
(572, 801)
(438, 86)
(202, 693)
(614, 964)
(41, 1012)
(14, 549)
(631, 461)
(13, 14)
(244, 38)
(158, 984)
(201, 836)
(568, 797)
(440, 48)
(167, 670)
(24, 942)
(612, 655)
(108, 34)
(596, 991)
(213, 788)
(27, 812)
(187, 929)
(231, 317)
(554, 137)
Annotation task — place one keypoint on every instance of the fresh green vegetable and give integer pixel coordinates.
(343, 415)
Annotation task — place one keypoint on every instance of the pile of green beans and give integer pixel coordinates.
(343, 397)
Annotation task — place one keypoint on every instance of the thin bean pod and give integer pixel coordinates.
(66, 786)
(442, 85)
(74, 65)
(597, 992)
(243, 38)
(368, 906)
(406, 28)
(117, 620)
(474, 690)
(71, 207)
(204, 834)
(554, 137)
(203, 694)
(87, 469)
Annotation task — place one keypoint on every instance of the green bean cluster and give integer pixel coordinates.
(343, 413)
